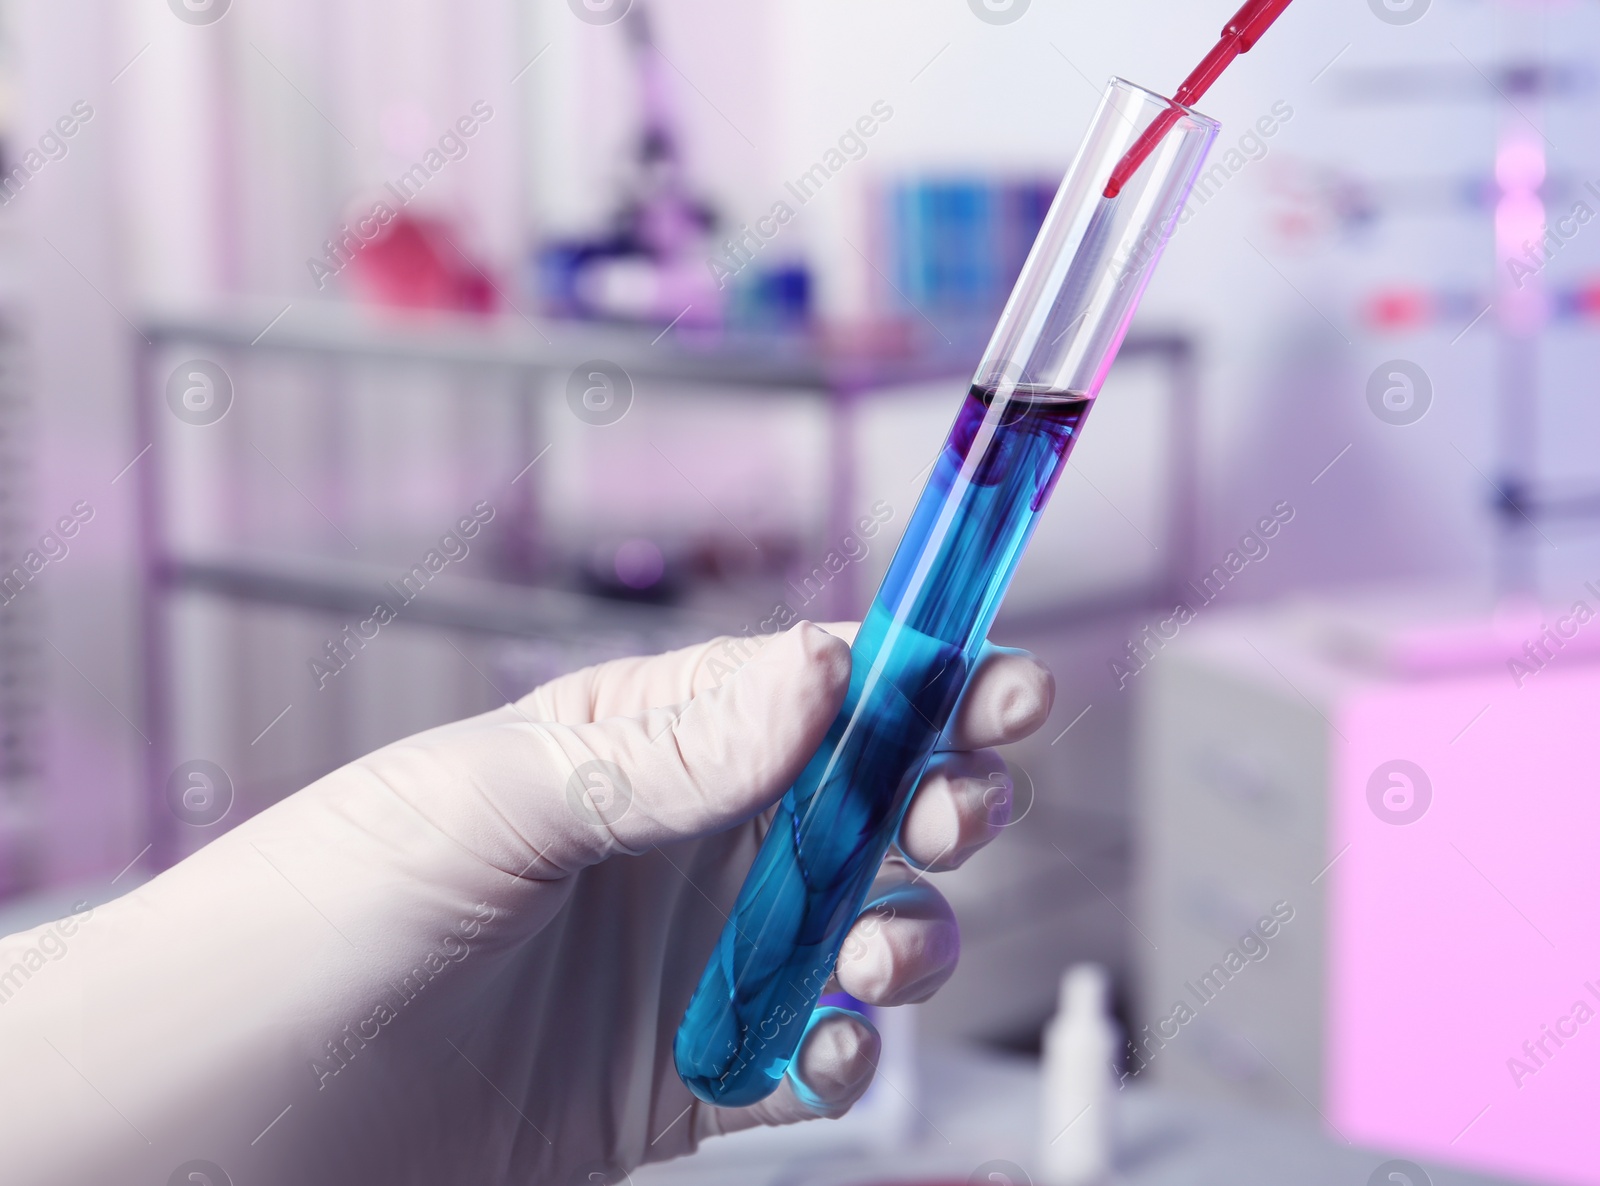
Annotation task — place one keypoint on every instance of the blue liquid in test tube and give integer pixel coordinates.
(1040, 375)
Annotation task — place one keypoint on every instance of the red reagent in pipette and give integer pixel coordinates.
(1239, 35)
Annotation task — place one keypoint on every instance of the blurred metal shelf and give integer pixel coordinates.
(781, 362)
(531, 354)
(337, 586)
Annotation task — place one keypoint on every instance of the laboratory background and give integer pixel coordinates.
(674, 301)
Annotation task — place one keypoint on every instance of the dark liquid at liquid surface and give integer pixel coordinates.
(998, 466)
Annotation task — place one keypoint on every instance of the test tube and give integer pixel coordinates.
(1044, 366)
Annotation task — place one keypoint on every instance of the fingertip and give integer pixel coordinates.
(823, 641)
(1008, 697)
(1025, 693)
(1047, 698)
(833, 1068)
(827, 653)
(844, 630)
(904, 947)
(836, 1061)
(962, 803)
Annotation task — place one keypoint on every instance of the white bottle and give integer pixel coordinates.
(1078, 1090)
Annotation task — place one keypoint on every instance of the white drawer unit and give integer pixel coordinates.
(1369, 885)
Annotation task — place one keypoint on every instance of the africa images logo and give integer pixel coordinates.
(599, 12)
(599, 392)
(199, 392)
(1399, 392)
(999, 12)
(199, 12)
(1399, 12)
(199, 793)
(1399, 792)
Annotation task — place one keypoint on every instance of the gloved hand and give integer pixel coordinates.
(447, 963)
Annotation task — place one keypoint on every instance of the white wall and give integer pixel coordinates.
(254, 137)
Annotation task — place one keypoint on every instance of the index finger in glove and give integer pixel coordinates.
(1007, 697)
(543, 799)
(625, 687)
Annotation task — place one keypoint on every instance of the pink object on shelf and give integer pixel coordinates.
(414, 263)
(1464, 945)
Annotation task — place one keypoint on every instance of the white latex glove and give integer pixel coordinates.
(436, 965)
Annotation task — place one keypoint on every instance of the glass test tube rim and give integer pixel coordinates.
(1194, 113)
(996, 365)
